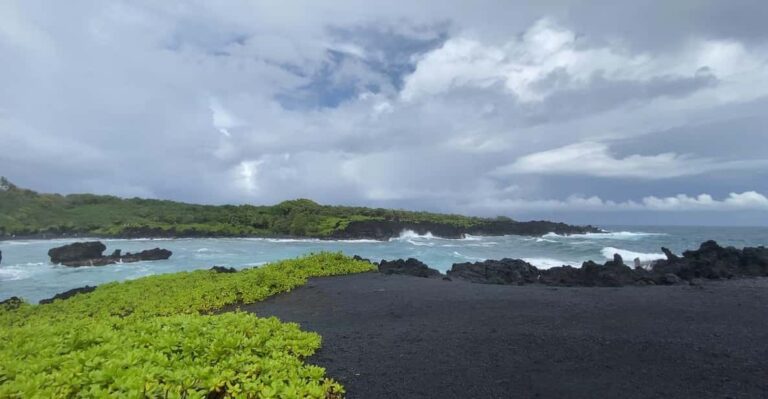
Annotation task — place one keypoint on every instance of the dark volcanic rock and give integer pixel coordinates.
(149, 254)
(591, 274)
(386, 229)
(710, 261)
(222, 269)
(68, 294)
(504, 271)
(410, 267)
(91, 254)
(1, 256)
(516, 271)
(11, 303)
(77, 252)
(670, 256)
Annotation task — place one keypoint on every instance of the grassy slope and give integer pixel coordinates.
(156, 337)
(25, 212)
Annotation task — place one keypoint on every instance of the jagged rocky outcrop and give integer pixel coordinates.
(91, 254)
(410, 267)
(386, 229)
(77, 252)
(69, 294)
(710, 261)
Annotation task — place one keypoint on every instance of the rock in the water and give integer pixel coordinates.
(1, 256)
(410, 267)
(504, 271)
(149, 254)
(91, 254)
(69, 294)
(223, 269)
(77, 252)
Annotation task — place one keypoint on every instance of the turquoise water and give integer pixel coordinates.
(25, 270)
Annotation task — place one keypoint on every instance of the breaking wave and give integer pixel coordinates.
(629, 256)
(547, 263)
(407, 235)
(616, 235)
(20, 272)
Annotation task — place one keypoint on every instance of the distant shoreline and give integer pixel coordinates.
(341, 237)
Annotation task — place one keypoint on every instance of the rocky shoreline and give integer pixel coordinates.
(710, 261)
(381, 230)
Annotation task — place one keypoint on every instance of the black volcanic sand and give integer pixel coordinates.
(409, 337)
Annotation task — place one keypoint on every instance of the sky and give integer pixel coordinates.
(602, 112)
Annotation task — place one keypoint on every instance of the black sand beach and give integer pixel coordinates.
(408, 337)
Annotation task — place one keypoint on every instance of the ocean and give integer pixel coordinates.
(26, 272)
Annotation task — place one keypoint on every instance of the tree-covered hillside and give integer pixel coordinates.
(24, 212)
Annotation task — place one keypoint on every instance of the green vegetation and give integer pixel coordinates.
(25, 212)
(158, 337)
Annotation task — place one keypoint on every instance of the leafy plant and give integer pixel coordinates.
(158, 336)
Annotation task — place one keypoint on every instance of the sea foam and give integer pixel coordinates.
(616, 235)
(629, 256)
(548, 263)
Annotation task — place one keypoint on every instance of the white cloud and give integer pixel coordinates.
(746, 201)
(528, 66)
(595, 159)
(247, 173)
(223, 120)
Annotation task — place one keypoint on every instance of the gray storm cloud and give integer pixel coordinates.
(530, 111)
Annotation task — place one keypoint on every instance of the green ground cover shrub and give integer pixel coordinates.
(158, 337)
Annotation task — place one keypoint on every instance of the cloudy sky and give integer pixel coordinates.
(585, 111)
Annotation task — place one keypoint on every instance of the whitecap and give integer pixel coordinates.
(629, 256)
(409, 235)
(616, 235)
(484, 244)
(548, 263)
(460, 255)
(470, 237)
(9, 274)
(420, 244)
